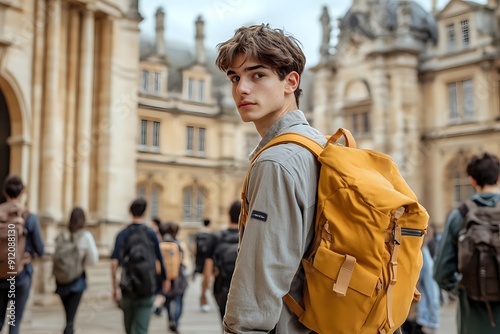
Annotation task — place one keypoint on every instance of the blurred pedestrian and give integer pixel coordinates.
(29, 243)
(175, 296)
(77, 239)
(224, 257)
(473, 316)
(136, 250)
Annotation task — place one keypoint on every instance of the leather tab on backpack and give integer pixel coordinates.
(344, 277)
(293, 305)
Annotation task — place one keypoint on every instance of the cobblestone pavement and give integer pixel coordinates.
(103, 317)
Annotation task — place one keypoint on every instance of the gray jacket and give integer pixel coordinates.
(281, 196)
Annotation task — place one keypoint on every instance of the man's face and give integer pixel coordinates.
(259, 94)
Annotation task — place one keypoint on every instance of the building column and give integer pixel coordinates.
(71, 106)
(83, 145)
(52, 123)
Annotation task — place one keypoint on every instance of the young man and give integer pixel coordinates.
(472, 316)
(264, 66)
(135, 303)
(224, 257)
(13, 190)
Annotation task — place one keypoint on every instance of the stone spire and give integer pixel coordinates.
(133, 10)
(434, 7)
(327, 29)
(200, 36)
(160, 48)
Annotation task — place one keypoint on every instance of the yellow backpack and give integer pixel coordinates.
(362, 269)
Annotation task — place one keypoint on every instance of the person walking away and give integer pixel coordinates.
(264, 66)
(204, 248)
(224, 258)
(75, 251)
(174, 298)
(473, 316)
(136, 250)
(28, 242)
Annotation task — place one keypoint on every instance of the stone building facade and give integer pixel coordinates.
(421, 87)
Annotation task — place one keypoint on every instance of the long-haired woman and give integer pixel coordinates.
(71, 292)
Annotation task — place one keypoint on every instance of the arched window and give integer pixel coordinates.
(155, 201)
(193, 199)
(459, 180)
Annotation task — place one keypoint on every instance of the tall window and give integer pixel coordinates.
(461, 101)
(157, 83)
(193, 204)
(196, 141)
(190, 88)
(151, 192)
(450, 37)
(149, 136)
(201, 91)
(145, 81)
(462, 188)
(201, 140)
(360, 123)
(190, 138)
(465, 33)
(156, 135)
(155, 201)
(144, 133)
(196, 90)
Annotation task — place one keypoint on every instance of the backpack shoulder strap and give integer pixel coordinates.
(295, 138)
(467, 206)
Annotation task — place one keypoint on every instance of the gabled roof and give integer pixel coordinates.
(459, 6)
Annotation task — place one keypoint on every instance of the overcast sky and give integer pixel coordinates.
(222, 17)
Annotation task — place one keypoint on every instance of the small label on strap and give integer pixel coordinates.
(262, 216)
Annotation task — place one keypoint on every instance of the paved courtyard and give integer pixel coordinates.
(103, 317)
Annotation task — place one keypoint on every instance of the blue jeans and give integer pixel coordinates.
(136, 314)
(428, 307)
(16, 310)
(176, 302)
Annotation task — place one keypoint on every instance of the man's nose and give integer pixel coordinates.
(243, 87)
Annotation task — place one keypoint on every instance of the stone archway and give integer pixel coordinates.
(5, 132)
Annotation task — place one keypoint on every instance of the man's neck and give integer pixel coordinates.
(491, 189)
(137, 220)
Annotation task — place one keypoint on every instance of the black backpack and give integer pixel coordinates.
(204, 244)
(138, 278)
(225, 254)
(479, 253)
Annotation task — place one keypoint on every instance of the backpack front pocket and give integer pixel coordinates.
(338, 293)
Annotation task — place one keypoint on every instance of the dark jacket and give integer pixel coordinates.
(472, 316)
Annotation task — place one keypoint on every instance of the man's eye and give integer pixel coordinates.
(258, 75)
(234, 79)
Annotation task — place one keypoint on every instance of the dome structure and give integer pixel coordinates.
(384, 17)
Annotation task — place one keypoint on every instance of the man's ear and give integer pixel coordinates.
(292, 81)
(473, 182)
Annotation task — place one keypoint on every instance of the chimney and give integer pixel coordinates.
(434, 7)
(160, 48)
(200, 36)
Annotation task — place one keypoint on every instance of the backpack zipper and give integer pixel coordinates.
(412, 232)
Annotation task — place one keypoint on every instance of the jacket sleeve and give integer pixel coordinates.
(270, 252)
(446, 258)
(91, 253)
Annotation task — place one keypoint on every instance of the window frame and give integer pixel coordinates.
(451, 37)
(461, 106)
